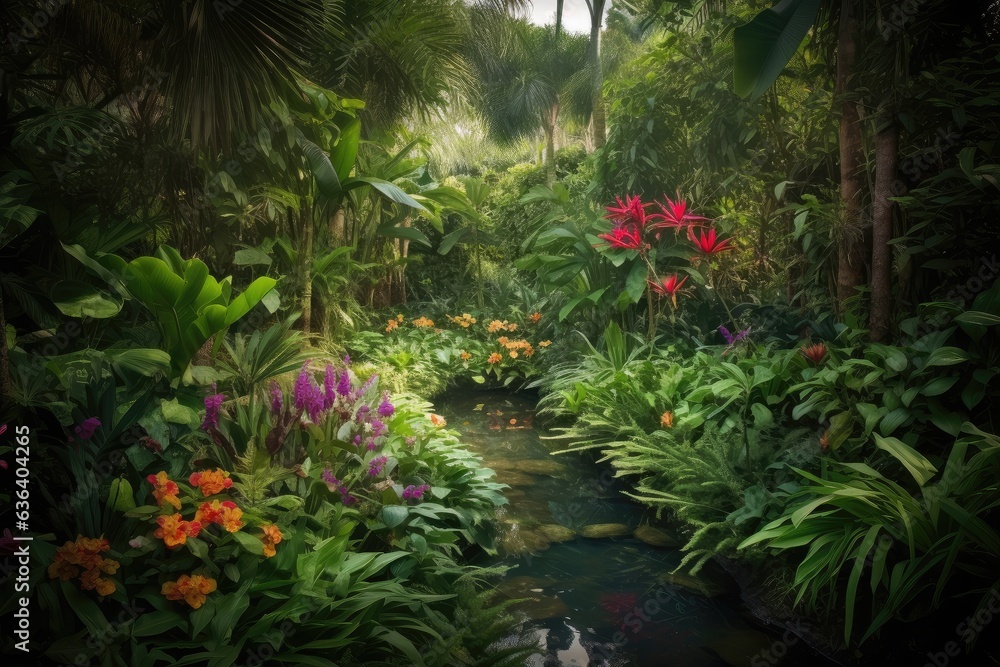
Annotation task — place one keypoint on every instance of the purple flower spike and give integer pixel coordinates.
(385, 408)
(85, 430)
(344, 385)
(212, 404)
(329, 390)
(277, 398)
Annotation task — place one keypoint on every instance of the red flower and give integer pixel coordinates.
(668, 286)
(674, 214)
(627, 237)
(815, 353)
(706, 243)
(632, 211)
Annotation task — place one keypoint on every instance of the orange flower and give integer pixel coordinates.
(465, 356)
(496, 325)
(174, 530)
(511, 326)
(494, 358)
(164, 490)
(225, 513)
(391, 325)
(270, 537)
(545, 343)
(423, 322)
(503, 340)
(85, 553)
(193, 589)
(667, 419)
(534, 317)
(399, 317)
(513, 354)
(211, 482)
(437, 420)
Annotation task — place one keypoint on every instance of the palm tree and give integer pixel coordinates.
(524, 73)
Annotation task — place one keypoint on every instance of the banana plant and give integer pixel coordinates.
(476, 191)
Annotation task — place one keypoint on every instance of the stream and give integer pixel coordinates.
(594, 592)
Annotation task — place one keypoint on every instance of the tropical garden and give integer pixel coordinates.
(451, 332)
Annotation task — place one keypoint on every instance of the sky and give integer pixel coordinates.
(576, 18)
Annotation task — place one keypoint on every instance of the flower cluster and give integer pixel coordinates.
(174, 530)
(815, 353)
(514, 347)
(193, 589)
(535, 317)
(212, 404)
(423, 322)
(392, 325)
(270, 537)
(82, 558)
(224, 513)
(545, 343)
(667, 419)
(210, 482)
(164, 490)
(496, 325)
(437, 420)
(465, 356)
(494, 358)
(412, 492)
(464, 320)
(85, 430)
(376, 465)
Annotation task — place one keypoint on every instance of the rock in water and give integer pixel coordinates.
(597, 530)
(556, 533)
(655, 537)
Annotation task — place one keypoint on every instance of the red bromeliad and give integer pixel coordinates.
(668, 286)
(674, 214)
(707, 243)
(815, 353)
(631, 211)
(627, 237)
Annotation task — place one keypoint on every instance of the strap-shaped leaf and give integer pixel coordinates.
(764, 46)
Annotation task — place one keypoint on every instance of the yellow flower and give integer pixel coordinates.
(174, 530)
(164, 491)
(85, 553)
(513, 354)
(465, 356)
(423, 322)
(545, 343)
(399, 317)
(391, 326)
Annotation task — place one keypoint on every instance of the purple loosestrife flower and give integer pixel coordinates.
(346, 497)
(378, 428)
(376, 464)
(328, 477)
(212, 404)
(85, 430)
(371, 445)
(347, 360)
(415, 492)
(357, 440)
(277, 398)
(301, 390)
(385, 408)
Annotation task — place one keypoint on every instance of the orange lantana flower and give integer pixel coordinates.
(494, 358)
(391, 325)
(164, 490)
(270, 537)
(174, 530)
(193, 589)
(211, 482)
(667, 419)
(465, 356)
(437, 420)
(534, 317)
(545, 343)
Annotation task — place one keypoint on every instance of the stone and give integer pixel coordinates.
(655, 537)
(598, 530)
(556, 533)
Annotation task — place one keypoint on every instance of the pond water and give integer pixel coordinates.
(595, 593)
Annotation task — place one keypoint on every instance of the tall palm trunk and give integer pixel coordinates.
(851, 249)
(305, 265)
(550, 144)
(597, 73)
(886, 157)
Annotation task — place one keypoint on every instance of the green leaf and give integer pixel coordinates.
(157, 623)
(763, 47)
(945, 356)
(252, 544)
(394, 515)
(635, 284)
(78, 299)
(977, 317)
(409, 233)
(449, 241)
(251, 256)
(391, 191)
(918, 465)
(762, 415)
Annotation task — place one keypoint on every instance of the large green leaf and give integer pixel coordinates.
(79, 299)
(449, 241)
(409, 233)
(345, 152)
(918, 465)
(764, 46)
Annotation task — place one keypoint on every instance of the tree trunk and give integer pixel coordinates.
(550, 145)
(338, 227)
(886, 156)
(851, 250)
(305, 265)
(597, 74)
